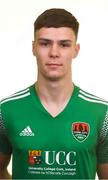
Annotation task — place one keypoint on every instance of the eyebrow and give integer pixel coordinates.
(43, 39)
(49, 40)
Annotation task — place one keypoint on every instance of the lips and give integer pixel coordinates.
(53, 64)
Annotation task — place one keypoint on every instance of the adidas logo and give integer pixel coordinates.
(27, 132)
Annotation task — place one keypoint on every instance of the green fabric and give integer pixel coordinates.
(67, 146)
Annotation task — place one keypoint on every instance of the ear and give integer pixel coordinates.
(33, 48)
(76, 50)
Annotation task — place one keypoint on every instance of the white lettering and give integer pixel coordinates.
(58, 157)
(47, 157)
(70, 160)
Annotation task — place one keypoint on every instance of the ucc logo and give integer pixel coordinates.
(61, 158)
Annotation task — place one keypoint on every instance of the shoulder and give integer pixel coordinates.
(91, 98)
(92, 102)
(15, 98)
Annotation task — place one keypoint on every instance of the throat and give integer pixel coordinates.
(55, 109)
(54, 99)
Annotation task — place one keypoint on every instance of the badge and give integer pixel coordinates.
(80, 131)
(34, 157)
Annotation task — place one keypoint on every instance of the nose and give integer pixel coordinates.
(54, 51)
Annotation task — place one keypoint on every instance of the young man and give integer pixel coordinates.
(54, 129)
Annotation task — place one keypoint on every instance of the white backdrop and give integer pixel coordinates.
(17, 64)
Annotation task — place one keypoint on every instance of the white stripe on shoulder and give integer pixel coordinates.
(20, 92)
(23, 91)
(17, 97)
(90, 95)
(17, 94)
(92, 100)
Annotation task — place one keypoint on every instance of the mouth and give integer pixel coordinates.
(53, 65)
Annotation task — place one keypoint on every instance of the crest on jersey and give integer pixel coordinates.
(80, 131)
(34, 157)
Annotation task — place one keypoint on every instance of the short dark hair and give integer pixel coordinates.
(56, 18)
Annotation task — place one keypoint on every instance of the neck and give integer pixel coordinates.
(54, 91)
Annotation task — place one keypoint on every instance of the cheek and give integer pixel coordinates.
(68, 53)
(41, 58)
(68, 61)
(68, 58)
(41, 53)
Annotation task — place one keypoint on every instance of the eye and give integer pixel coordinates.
(65, 45)
(44, 44)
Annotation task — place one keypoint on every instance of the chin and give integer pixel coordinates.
(53, 78)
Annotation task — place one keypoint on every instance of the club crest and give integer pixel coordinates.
(80, 131)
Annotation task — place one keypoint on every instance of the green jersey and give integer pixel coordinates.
(68, 146)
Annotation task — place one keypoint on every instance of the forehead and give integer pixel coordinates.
(61, 33)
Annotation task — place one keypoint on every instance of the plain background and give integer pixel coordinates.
(17, 64)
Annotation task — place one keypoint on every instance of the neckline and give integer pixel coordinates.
(40, 106)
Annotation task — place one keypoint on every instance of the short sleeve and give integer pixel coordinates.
(5, 146)
(102, 148)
